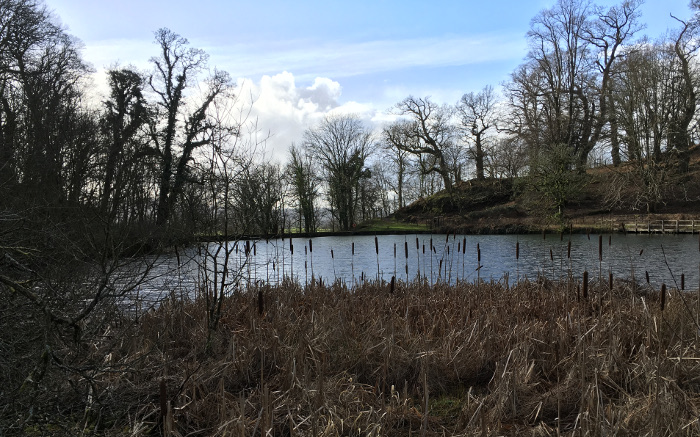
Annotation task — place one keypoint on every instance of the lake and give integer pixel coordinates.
(438, 257)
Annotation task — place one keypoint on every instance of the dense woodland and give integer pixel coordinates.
(171, 153)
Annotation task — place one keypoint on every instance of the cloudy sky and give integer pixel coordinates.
(301, 59)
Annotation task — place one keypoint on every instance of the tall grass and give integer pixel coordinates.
(466, 359)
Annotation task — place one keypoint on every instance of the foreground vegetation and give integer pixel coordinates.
(537, 358)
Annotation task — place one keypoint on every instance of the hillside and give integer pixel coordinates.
(603, 195)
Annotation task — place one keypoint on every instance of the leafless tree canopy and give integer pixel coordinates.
(341, 145)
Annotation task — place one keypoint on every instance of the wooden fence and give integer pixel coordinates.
(663, 226)
(637, 224)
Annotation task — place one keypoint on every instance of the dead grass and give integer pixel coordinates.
(486, 359)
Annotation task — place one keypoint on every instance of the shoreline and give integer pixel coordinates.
(597, 225)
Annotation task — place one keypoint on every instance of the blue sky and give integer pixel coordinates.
(300, 59)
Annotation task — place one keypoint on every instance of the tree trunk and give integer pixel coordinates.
(479, 158)
(614, 139)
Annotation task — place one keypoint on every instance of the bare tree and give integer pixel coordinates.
(40, 75)
(258, 194)
(125, 114)
(395, 137)
(64, 273)
(654, 98)
(476, 113)
(176, 132)
(383, 179)
(226, 168)
(429, 132)
(685, 46)
(560, 95)
(304, 181)
(644, 96)
(609, 30)
(341, 146)
(507, 158)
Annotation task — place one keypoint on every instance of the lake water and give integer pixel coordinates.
(439, 257)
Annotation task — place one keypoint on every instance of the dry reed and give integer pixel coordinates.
(468, 359)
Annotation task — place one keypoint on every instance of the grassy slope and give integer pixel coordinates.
(501, 206)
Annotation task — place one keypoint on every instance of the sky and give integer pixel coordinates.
(300, 60)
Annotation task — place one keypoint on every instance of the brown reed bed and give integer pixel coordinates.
(485, 359)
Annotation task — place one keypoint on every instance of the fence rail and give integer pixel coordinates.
(638, 224)
(663, 226)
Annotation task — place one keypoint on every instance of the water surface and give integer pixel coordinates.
(438, 257)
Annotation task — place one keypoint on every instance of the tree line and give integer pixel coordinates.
(590, 90)
(170, 147)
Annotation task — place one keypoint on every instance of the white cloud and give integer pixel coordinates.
(285, 110)
(279, 108)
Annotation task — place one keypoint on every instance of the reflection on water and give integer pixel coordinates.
(444, 258)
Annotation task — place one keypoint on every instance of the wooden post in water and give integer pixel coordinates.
(663, 297)
(478, 264)
(418, 257)
(376, 249)
(405, 247)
